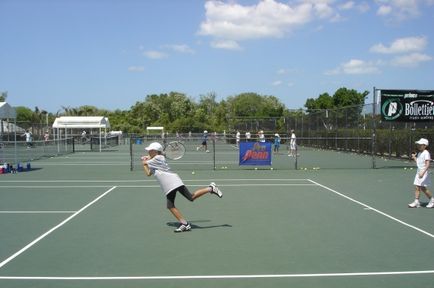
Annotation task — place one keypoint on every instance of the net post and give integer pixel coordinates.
(296, 157)
(131, 153)
(213, 151)
(374, 128)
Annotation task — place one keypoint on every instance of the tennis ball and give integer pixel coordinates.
(256, 168)
(405, 168)
(193, 173)
(271, 168)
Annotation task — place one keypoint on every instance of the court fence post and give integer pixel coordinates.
(131, 153)
(213, 151)
(373, 137)
(296, 157)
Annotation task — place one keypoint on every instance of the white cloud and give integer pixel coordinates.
(282, 71)
(401, 45)
(355, 66)
(152, 54)
(229, 23)
(277, 83)
(411, 60)
(347, 5)
(136, 69)
(350, 5)
(180, 48)
(226, 44)
(384, 10)
(399, 9)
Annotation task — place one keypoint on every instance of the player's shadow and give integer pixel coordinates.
(194, 225)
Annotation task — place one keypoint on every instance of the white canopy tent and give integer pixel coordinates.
(7, 112)
(81, 122)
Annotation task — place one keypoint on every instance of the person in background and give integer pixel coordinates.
(293, 145)
(29, 138)
(46, 136)
(248, 136)
(261, 136)
(204, 142)
(276, 143)
(237, 138)
(422, 179)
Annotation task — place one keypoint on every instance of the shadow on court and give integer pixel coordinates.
(196, 226)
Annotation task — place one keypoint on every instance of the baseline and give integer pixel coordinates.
(214, 277)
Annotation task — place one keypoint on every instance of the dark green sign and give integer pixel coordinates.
(407, 105)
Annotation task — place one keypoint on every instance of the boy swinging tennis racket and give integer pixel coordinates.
(170, 183)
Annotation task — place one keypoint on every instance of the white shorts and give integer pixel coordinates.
(424, 181)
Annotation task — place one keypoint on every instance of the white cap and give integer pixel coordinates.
(154, 146)
(277, 135)
(422, 141)
(205, 131)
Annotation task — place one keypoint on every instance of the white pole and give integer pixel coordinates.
(100, 149)
(15, 141)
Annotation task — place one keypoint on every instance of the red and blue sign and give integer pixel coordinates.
(255, 153)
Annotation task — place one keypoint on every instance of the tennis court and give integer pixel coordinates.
(86, 220)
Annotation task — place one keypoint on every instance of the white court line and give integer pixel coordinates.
(156, 186)
(367, 207)
(54, 186)
(212, 277)
(149, 180)
(16, 254)
(223, 185)
(36, 212)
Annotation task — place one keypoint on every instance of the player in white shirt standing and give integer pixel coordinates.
(293, 145)
(422, 179)
(237, 138)
(170, 183)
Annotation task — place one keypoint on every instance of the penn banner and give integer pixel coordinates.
(407, 105)
(255, 153)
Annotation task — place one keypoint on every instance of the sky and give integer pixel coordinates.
(113, 53)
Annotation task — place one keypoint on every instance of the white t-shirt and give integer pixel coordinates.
(167, 179)
(293, 141)
(420, 162)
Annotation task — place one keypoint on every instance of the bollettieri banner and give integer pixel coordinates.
(255, 153)
(407, 105)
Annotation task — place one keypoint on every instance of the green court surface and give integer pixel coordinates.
(85, 220)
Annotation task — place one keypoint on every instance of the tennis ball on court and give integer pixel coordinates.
(305, 168)
(271, 168)
(256, 168)
(405, 168)
(193, 173)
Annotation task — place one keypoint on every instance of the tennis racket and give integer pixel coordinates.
(174, 150)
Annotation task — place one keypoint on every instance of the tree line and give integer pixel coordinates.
(178, 112)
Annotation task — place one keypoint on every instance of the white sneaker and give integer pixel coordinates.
(430, 204)
(215, 190)
(183, 228)
(414, 204)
